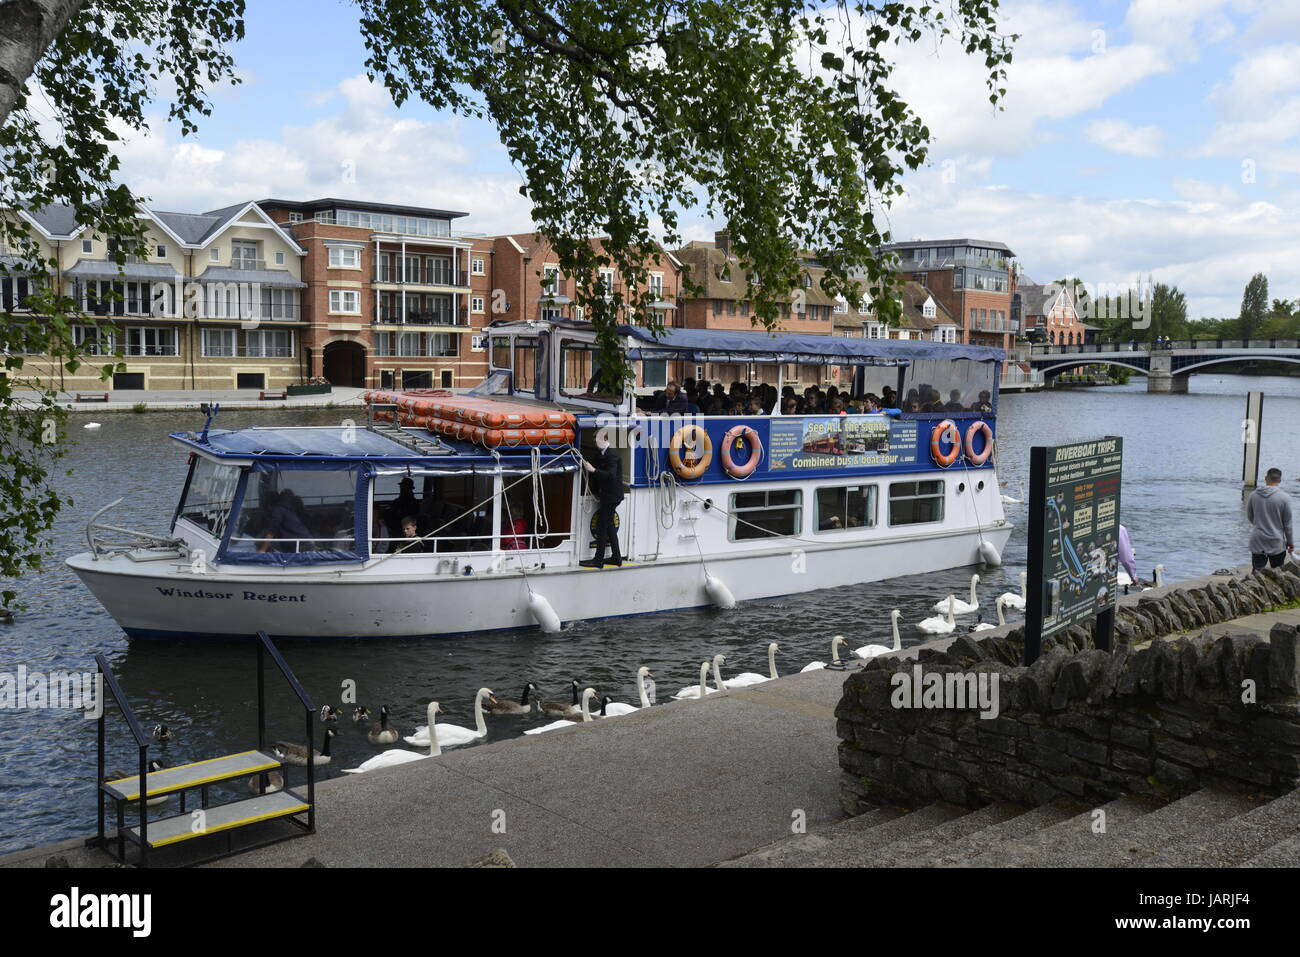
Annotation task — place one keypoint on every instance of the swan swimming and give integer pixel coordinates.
(939, 625)
(985, 626)
(395, 756)
(1018, 602)
(698, 690)
(453, 735)
(835, 655)
(745, 678)
(960, 607)
(871, 651)
(609, 708)
(587, 695)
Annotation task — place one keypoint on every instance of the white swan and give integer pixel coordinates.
(453, 735)
(835, 655)
(91, 425)
(745, 678)
(960, 607)
(699, 690)
(569, 722)
(610, 708)
(985, 626)
(939, 625)
(1158, 578)
(871, 651)
(395, 756)
(1017, 602)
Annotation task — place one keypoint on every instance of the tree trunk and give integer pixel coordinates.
(27, 28)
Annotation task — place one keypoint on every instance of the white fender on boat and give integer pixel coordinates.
(719, 593)
(544, 613)
(989, 554)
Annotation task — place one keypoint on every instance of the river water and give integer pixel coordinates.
(1181, 500)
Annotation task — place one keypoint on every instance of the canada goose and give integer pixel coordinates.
(697, 690)
(559, 707)
(1158, 574)
(453, 735)
(154, 765)
(395, 756)
(939, 625)
(296, 754)
(381, 733)
(960, 607)
(568, 722)
(6, 616)
(1017, 602)
(506, 706)
(329, 714)
(1002, 620)
(274, 782)
(835, 655)
(871, 651)
(161, 732)
(747, 678)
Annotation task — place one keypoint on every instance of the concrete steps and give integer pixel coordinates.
(1208, 828)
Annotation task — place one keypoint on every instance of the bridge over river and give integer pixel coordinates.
(1167, 366)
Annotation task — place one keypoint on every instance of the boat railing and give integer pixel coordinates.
(437, 545)
(297, 543)
(106, 540)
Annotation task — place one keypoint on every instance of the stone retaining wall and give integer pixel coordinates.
(1165, 716)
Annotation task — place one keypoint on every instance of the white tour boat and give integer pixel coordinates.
(297, 531)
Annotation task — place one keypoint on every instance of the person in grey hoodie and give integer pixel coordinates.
(1269, 510)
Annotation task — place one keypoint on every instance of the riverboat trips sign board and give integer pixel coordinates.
(840, 441)
(1073, 539)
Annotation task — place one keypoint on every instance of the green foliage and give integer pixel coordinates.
(1254, 306)
(98, 77)
(140, 407)
(623, 116)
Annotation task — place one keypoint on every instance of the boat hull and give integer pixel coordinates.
(171, 602)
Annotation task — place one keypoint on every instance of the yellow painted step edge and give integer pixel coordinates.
(185, 836)
(194, 782)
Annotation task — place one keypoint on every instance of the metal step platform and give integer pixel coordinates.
(139, 791)
(185, 776)
(224, 817)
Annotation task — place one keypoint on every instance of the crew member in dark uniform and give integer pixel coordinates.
(606, 477)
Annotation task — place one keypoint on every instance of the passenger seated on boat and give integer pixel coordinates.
(674, 402)
(285, 529)
(830, 522)
(789, 406)
(954, 402)
(411, 542)
(514, 525)
(984, 404)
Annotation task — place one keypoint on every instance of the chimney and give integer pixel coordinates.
(722, 240)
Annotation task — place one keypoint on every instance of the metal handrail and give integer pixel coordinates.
(142, 743)
(265, 646)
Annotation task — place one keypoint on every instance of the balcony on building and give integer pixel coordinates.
(436, 309)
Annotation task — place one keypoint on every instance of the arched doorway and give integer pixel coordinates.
(344, 364)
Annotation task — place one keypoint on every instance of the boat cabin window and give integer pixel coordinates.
(914, 503)
(452, 513)
(949, 385)
(525, 364)
(766, 514)
(298, 510)
(534, 516)
(578, 370)
(501, 352)
(210, 495)
(846, 506)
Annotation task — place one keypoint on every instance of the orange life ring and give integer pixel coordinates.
(694, 464)
(982, 457)
(738, 433)
(947, 429)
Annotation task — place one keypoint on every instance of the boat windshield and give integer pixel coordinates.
(297, 511)
(209, 496)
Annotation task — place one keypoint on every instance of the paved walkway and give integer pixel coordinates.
(125, 400)
(686, 783)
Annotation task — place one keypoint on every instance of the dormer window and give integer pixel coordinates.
(724, 273)
(928, 310)
(807, 280)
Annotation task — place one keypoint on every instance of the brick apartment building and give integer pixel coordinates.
(973, 279)
(394, 297)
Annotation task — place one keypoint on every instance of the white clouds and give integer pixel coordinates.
(1208, 242)
(1120, 136)
(365, 150)
(1259, 110)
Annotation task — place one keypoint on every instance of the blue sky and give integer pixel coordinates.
(1139, 137)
